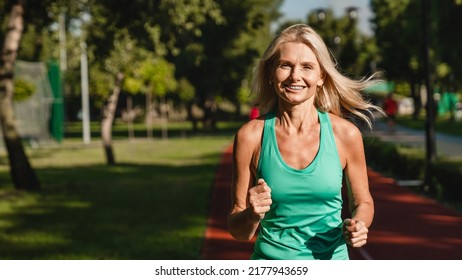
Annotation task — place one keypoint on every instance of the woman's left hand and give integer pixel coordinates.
(355, 232)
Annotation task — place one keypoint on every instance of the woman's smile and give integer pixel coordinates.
(294, 87)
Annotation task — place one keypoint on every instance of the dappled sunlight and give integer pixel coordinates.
(151, 205)
(405, 198)
(392, 237)
(440, 220)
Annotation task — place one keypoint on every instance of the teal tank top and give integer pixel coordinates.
(304, 221)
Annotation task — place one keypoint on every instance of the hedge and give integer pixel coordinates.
(408, 163)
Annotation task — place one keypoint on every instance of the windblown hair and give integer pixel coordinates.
(338, 95)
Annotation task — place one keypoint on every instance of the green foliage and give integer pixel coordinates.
(160, 49)
(101, 84)
(220, 39)
(158, 76)
(23, 90)
(443, 70)
(442, 124)
(229, 48)
(139, 209)
(132, 85)
(448, 174)
(243, 95)
(397, 31)
(30, 43)
(445, 18)
(150, 74)
(353, 51)
(398, 161)
(403, 162)
(186, 90)
(402, 88)
(123, 54)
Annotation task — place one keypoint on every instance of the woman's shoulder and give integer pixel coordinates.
(251, 131)
(344, 129)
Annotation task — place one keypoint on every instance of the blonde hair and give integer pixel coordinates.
(338, 94)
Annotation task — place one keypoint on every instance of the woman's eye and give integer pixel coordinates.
(284, 66)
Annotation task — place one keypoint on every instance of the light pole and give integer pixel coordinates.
(84, 85)
(321, 15)
(352, 13)
(333, 42)
(340, 34)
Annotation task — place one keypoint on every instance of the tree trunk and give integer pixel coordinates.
(149, 115)
(21, 171)
(164, 118)
(109, 111)
(131, 117)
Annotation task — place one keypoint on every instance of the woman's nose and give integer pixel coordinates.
(295, 74)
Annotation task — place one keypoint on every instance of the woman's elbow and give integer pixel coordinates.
(238, 232)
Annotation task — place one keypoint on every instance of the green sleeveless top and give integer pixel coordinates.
(304, 221)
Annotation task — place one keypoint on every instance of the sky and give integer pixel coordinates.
(299, 9)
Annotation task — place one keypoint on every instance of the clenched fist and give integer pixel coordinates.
(355, 232)
(259, 200)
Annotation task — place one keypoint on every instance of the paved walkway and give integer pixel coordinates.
(219, 244)
(406, 226)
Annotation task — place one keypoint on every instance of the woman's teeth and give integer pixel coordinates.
(295, 87)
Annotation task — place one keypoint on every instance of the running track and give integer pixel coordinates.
(406, 226)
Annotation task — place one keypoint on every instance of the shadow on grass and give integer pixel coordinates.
(182, 130)
(127, 211)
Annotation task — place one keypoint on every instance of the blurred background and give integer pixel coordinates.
(115, 114)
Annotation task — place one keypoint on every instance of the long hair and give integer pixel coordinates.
(338, 95)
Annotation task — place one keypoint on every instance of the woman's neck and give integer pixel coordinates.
(298, 118)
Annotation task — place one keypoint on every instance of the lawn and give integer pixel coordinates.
(152, 205)
(441, 124)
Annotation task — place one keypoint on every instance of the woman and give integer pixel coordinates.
(289, 163)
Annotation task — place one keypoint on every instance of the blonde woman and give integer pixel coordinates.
(289, 164)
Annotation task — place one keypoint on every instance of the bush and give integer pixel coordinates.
(449, 175)
(403, 162)
(398, 161)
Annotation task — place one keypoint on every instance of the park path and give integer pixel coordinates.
(219, 244)
(406, 226)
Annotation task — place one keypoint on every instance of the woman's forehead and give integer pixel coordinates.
(296, 50)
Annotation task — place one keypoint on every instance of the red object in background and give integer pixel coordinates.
(390, 106)
(254, 113)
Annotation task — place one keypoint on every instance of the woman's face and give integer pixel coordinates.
(297, 73)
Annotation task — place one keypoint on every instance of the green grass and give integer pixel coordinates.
(175, 129)
(152, 205)
(442, 124)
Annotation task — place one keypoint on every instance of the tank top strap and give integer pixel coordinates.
(328, 139)
(268, 128)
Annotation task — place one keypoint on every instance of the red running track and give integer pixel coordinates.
(406, 226)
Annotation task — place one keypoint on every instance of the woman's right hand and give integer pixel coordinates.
(260, 200)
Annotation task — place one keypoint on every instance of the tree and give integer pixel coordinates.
(398, 35)
(157, 26)
(21, 171)
(448, 15)
(155, 77)
(229, 49)
(352, 50)
(119, 62)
